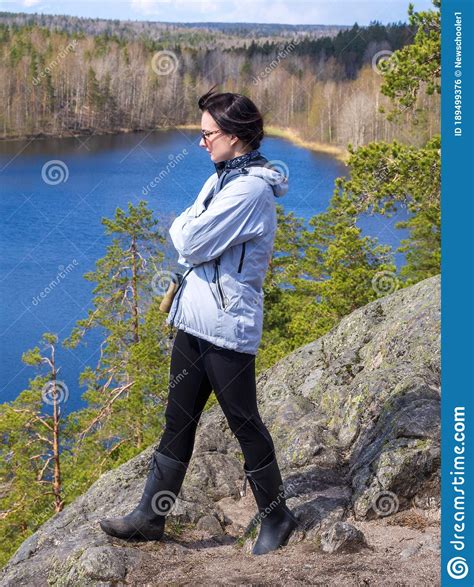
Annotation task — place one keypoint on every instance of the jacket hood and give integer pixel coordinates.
(273, 177)
(256, 164)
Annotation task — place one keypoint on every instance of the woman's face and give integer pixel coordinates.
(219, 145)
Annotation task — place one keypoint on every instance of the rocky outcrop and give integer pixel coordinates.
(355, 418)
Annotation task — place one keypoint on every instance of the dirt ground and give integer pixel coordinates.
(403, 551)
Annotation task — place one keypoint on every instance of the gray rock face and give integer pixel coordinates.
(355, 418)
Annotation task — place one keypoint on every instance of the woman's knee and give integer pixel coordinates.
(178, 421)
(251, 429)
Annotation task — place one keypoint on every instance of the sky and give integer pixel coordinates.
(345, 12)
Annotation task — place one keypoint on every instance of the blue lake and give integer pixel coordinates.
(50, 225)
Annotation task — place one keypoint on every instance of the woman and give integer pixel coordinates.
(225, 239)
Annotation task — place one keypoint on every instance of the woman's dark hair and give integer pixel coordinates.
(234, 114)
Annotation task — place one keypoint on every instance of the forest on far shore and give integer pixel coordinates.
(66, 75)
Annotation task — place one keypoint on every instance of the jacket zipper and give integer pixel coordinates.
(216, 277)
(216, 262)
(177, 301)
(242, 255)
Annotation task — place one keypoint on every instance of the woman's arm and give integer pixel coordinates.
(236, 214)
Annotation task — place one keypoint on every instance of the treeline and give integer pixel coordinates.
(327, 90)
(348, 51)
(191, 33)
(319, 273)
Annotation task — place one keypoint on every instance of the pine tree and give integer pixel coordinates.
(318, 275)
(33, 434)
(125, 391)
(385, 176)
(417, 66)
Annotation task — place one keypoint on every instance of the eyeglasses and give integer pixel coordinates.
(206, 133)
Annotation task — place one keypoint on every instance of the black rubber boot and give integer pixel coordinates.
(147, 521)
(277, 521)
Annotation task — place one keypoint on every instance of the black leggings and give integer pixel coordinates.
(198, 367)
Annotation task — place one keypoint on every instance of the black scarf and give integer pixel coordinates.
(240, 161)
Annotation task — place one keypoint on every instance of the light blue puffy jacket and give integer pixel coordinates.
(226, 240)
